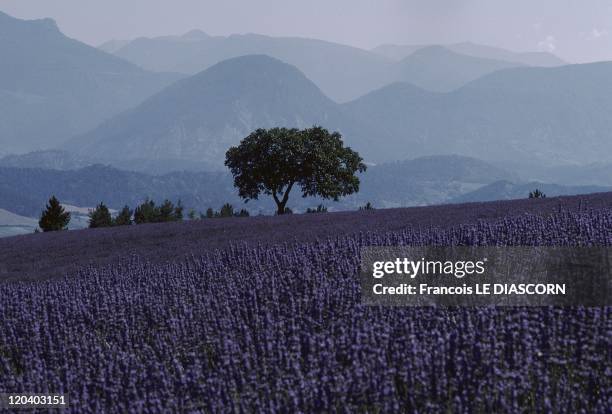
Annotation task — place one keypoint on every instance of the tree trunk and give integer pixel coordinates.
(280, 208)
(281, 204)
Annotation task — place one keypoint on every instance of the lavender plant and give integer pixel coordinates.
(250, 328)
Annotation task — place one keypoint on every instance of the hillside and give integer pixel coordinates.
(423, 181)
(544, 59)
(12, 224)
(504, 190)
(532, 115)
(199, 118)
(159, 243)
(25, 191)
(342, 72)
(414, 182)
(53, 87)
(439, 69)
(65, 160)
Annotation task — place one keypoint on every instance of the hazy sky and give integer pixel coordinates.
(575, 30)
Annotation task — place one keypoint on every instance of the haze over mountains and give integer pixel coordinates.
(342, 72)
(200, 117)
(53, 87)
(431, 108)
(545, 59)
(541, 115)
(533, 115)
(418, 182)
(415, 182)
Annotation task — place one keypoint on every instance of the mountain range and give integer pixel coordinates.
(423, 181)
(126, 105)
(53, 87)
(342, 72)
(535, 115)
(505, 190)
(418, 182)
(546, 116)
(56, 92)
(545, 59)
(200, 117)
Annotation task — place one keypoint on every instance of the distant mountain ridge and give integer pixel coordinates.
(199, 118)
(556, 115)
(439, 69)
(342, 72)
(422, 181)
(534, 115)
(544, 59)
(505, 190)
(53, 87)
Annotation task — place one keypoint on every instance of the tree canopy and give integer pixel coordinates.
(54, 217)
(273, 161)
(100, 217)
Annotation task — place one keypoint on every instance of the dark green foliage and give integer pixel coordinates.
(124, 218)
(272, 161)
(227, 210)
(148, 212)
(319, 209)
(100, 217)
(166, 211)
(536, 194)
(367, 206)
(54, 217)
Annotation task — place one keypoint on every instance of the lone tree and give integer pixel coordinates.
(54, 217)
(273, 161)
(100, 217)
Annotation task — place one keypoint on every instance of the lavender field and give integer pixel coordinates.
(270, 320)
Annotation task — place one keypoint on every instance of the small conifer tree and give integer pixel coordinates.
(100, 217)
(178, 211)
(227, 210)
(124, 218)
(147, 212)
(54, 217)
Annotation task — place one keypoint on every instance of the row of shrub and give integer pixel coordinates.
(55, 218)
(147, 212)
(227, 210)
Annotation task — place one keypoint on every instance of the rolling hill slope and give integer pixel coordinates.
(422, 181)
(200, 117)
(438, 69)
(535, 115)
(342, 72)
(541, 115)
(53, 87)
(161, 243)
(544, 59)
(505, 190)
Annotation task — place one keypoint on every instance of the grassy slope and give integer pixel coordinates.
(52, 254)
